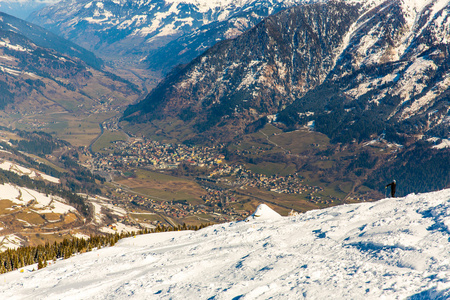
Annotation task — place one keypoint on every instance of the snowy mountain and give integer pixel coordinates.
(390, 249)
(163, 33)
(354, 69)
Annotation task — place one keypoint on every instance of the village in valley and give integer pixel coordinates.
(223, 185)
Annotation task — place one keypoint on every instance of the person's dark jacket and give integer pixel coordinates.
(392, 185)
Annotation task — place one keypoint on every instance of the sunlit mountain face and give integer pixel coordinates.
(42, 71)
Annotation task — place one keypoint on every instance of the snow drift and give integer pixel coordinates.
(263, 212)
(392, 249)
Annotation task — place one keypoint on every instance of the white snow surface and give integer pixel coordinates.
(391, 249)
(40, 202)
(10, 241)
(263, 212)
(445, 143)
(120, 228)
(18, 169)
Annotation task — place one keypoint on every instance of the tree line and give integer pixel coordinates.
(13, 259)
(52, 189)
(37, 142)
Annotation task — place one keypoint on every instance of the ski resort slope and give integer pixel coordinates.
(391, 249)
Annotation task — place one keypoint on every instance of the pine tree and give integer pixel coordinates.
(67, 253)
(2, 269)
(40, 263)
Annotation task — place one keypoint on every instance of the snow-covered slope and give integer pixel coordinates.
(407, 41)
(391, 249)
(20, 170)
(24, 209)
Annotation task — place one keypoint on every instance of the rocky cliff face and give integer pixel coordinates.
(393, 72)
(355, 69)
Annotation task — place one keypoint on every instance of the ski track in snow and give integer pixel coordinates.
(390, 249)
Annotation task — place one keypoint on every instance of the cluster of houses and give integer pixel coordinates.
(319, 200)
(291, 184)
(183, 209)
(219, 198)
(142, 153)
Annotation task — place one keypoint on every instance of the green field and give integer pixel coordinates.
(272, 140)
(107, 138)
(270, 168)
(164, 187)
(147, 217)
(169, 130)
(150, 175)
(335, 169)
(77, 129)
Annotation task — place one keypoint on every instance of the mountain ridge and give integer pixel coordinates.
(388, 65)
(162, 34)
(46, 39)
(43, 72)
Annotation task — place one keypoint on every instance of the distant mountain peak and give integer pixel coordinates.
(23, 8)
(142, 31)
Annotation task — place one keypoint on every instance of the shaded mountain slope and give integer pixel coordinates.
(153, 33)
(353, 70)
(35, 78)
(43, 38)
(258, 73)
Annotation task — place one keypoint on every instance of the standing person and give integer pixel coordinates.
(393, 185)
